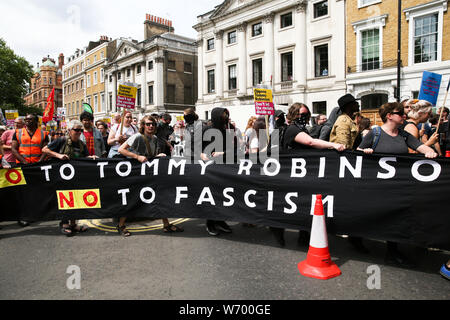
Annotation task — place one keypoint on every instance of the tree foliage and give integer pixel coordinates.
(15, 73)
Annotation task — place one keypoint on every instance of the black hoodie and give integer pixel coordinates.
(224, 127)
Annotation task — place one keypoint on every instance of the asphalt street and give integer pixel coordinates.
(244, 265)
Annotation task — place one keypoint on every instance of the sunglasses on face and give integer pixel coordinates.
(58, 134)
(78, 130)
(148, 124)
(399, 113)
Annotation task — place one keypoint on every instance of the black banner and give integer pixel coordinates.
(386, 197)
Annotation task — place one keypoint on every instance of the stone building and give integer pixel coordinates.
(46, 77)
(296, 47)
(74, 84)
(163, 66)
(372, 33)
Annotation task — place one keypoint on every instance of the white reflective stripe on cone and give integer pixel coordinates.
(319, 237)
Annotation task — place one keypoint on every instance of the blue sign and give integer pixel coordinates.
(429, 90)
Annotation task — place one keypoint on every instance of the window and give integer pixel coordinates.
(82, 66)
(171, 64)
(45, 80)
(150, 65)
(286, 20)
(96, 103)
(363, 3)
(88, 80)
(426, 38)
(170, 93)
(257, 72)
(102, 54)
(102, 75)
(257, 29)
(76, 68)
(373, 101)
(76, 86)
(81, 84)
(320, 9)
(95, 58)
(232, 37)
(150, 94)
(72, 88)
(49, 80)
(210, 44)
(138, 69)
(232, 77)
(286, 67)
(110, 79)
(321, 60)
(188, 95)
(320, 107)
(128, 73)
(103, 105)
(119, 75)
(138, 97)
(187, 67)
(95, 77)
(370, 49)
(211, 81)
(110, 101)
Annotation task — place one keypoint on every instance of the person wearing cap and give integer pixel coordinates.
(345, 129)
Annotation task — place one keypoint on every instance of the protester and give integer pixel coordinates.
(117, 118)
(328, 125)
(248, 133)
(67, 148)
(103, 128)
(2, 130)
(91, 136)
(345, 129)
(363, 129)
(4, 163)
(419, 114)
(118, 135)
(220, 121)
(135, 121)
(6, 139)
(434, 120)
(444, 130)
(297, 138)
(143, 146)
(317, 126)
(192, 146)
(259, 127)
(393, 140)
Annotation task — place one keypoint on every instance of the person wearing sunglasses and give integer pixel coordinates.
(143, 146)
(68, 148)
(391, 139)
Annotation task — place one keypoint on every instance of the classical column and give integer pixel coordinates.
(269, 56)
(200, 69)
(219, 63)
(114, 91)
(300, 62)
(242, 43)
(143, 84)
(159, 84)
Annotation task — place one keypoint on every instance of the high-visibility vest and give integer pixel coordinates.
(31, 147)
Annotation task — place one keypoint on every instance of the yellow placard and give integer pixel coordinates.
(11, 114)
(127, 91)
(78, 199)
(11, 178)
(262, 95)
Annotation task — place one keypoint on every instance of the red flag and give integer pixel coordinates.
(49, 109)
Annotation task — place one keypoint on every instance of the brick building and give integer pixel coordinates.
(74, 84)
(371, 53)
(45, 78)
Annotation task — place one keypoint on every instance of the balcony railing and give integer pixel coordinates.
(371, 66)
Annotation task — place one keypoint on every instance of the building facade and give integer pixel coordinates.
(295, 47)
(46, 77)
(74, 84)
(162, 66)
(372, 33)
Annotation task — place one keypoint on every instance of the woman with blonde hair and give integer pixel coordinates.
(419, 113)
(248, 133)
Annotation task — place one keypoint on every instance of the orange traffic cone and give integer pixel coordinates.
(318, 262)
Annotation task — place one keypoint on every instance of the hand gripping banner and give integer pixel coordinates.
(386, 197)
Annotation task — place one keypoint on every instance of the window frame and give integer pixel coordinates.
(232, 81)
(292, 66)
(211, 86)
(229, 38)
(261, 29)
(281, 20)
(314, 10)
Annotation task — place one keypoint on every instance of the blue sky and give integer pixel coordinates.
(37, 28)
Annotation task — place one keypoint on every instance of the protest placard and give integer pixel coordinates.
(126, 96)
(429, 89)
(263, 102)
(11, 115)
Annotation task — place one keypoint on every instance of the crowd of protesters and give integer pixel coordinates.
(408, 127)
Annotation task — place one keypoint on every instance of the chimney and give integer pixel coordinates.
(60, 61)
(156, 26)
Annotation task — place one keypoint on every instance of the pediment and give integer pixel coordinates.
(125, 49)
(229, 6)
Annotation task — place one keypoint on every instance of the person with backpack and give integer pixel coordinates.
(297, 138)
(67, 148)
(391, 139)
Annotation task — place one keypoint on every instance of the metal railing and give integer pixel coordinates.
(371, 66)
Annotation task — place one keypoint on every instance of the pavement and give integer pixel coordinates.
(244, 265)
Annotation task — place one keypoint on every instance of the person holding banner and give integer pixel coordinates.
(143, 146)
(120, 133)
(297, 138)
(444, 130)
(91, 136)
(419, 113)
(67, 148)
(389, 138)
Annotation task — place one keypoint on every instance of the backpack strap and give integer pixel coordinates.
(376, 137)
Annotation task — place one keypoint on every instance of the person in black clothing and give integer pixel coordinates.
(164, 130)
(103, 128)
(296, 138)
(219, 121)
(192, 147)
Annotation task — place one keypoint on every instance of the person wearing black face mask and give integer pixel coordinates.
(192, 125)
(298, 138)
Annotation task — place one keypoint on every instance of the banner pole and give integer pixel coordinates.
(121, 122)
(443, 106)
